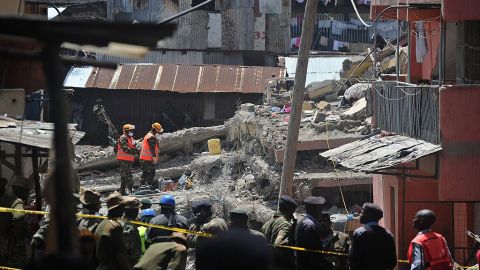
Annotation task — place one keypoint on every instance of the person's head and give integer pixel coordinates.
(287, 206)
(314, 206)
(99, 101)
(3, 185)
(21, 187)
(424, 219)
(370, 213)
(238, 219)
(157, 128)
(132, 207)
(146, 203)
(202, 210)
(128, 129)
(115, 205)
(147, 214)
(324, 223)
(167, 204)
(90, 199)
(234, 250)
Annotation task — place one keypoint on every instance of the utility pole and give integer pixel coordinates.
(290, 156)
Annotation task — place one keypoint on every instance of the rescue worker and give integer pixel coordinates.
(239, 222)
(278, 231)
(171, 255)
(307, 235)
(90, 199)
(373, 247)
(111, 251)
(126, 151)
(204, 222)
(428, 250)
(131, 235)
(167, 217)
(145, 216)
(149, 155)
(146, 204)
(12, 229)
(333, 241)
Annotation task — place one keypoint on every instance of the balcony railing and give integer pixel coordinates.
(407, 110)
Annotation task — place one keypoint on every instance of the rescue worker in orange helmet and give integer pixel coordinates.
(149, 155)
(126, 150)
(428, 250)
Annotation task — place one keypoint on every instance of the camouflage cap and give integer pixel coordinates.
(89, 197)
(132, 202)
(146, 201)
(114, 200)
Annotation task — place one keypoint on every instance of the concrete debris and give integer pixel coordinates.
(317, 90)
(357, 91)
(319, 117)
(357, 111)
(323, 105)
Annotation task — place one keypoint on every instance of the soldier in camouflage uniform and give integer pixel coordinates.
(204, 222)
(170, 255)
(90, 200)
(126, 150)
(111, 251)
(333, 241)
(12, 225)
(131, 235)
(149, 155)
(239, 222)
(279, 231)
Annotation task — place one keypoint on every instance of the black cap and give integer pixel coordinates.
(313, 200)
(238, 212)
(288, 201)
(199, 204)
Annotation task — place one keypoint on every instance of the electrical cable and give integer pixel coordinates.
(378, 16)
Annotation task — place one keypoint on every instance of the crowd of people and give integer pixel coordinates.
(286, 241)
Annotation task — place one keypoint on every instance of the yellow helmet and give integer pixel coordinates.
(128, 127)
(157, 127)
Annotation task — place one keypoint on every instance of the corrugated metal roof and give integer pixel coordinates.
(78, 77)
(319, 68)
(33, 133)
(176, 78)
(377, 152)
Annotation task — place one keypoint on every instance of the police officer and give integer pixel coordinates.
(167, 217)
(146, 203)
(111, 250)
(307, 235)
(149, 155)
(126, 151)
(204, 222)
(131, 236)
(427, 243)
(333, 241)
(239, 222)
(278, 231)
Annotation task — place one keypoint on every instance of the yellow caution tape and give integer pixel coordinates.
(8, 268)
(185, 231)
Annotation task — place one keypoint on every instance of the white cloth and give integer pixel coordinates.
(421, 48)
(323, 41)
(338, 44)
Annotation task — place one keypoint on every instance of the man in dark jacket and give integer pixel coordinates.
(168, 217)
(373, 247)
(307, 235)
(205, 222)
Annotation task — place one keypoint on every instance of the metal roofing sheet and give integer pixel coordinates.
(319, 68)
(78, 76)
(177, 78)
(33, 133)
(377, 152)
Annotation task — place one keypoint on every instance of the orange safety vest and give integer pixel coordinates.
(122, 155)
(146, 154)
(435, 250)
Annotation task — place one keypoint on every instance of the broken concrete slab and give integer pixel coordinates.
(318, 90)
(248, 107)
(307, 106)
(357, 111)
(323, 105)
(331, 97)
(318, 117)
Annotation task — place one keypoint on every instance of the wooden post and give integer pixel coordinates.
(36, 179)
(290, 157)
